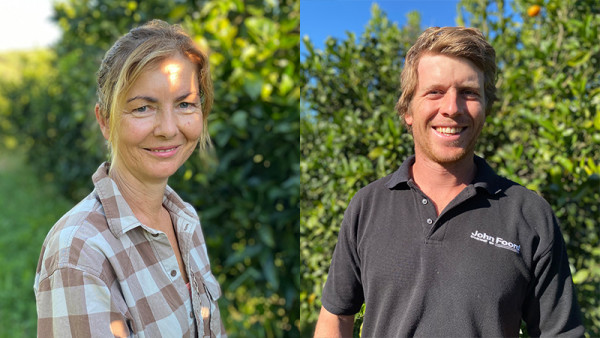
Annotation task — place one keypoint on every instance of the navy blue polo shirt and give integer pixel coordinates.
(494, 256)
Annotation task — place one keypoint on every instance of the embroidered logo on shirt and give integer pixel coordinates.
(495, 241)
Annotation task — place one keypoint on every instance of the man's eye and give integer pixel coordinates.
(184, 105)
(471, 93)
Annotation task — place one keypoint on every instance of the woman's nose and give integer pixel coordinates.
(166, 124)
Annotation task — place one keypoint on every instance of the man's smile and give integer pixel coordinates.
(449, 130)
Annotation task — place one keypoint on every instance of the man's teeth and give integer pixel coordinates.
(448, 130)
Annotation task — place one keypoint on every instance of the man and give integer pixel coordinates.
(444, 247)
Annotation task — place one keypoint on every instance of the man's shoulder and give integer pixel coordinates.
(374, 194)
(377, 187)
(521, 195)
(528, 209)
(509, 191)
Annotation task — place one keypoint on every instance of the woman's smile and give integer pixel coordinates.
(163, 152)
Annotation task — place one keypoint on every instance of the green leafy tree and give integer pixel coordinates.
(543, 132)
(350, 135)
(247, 196)
(251, 200)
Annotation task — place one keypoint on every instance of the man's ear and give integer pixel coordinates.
(102, 122)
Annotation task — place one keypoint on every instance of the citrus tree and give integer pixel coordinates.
(543, 133)
(349, 136)
(247, 194)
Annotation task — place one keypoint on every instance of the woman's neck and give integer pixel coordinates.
(144, 198)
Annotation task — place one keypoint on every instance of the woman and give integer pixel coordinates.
(130, 259)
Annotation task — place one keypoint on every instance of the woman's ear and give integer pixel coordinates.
(408, 119)
(102, 122)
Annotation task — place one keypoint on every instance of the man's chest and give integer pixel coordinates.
(470, 253)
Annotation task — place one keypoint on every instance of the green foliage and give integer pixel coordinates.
(543, 133)
(350, 135)
(27, 206)
(248, 202)
(21, 70)
(251, 200)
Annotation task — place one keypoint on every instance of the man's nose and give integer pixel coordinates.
(451, 104)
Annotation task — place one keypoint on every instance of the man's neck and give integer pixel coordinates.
(442, 182)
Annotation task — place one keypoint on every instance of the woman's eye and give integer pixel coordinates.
(184, 105)
(141, 109)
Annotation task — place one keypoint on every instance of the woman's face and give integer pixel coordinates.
(162, 121)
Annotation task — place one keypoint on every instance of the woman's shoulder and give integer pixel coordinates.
(77, 239)
(177, 205)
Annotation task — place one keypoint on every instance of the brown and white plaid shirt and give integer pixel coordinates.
(101, 269)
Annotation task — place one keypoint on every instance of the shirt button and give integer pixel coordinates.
(429, 221)
(191, 314)
(424, 201)
(173, 273)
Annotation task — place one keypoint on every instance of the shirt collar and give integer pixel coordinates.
(485, 177)
(119, 216)
(402, 175)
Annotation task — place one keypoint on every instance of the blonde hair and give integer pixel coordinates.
(468, 43)
(134, 52)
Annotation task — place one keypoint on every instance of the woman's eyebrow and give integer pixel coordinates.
(145, 98)
(181, 97)
(154, 100)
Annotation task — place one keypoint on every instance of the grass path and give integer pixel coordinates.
(28, 209)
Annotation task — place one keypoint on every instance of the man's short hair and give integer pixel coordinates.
(468, 43)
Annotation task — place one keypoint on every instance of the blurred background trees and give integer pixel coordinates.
(544, 132)
(249, 199)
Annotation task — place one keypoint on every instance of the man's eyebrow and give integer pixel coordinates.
(145, 98)
(465, 85)
(469, 85)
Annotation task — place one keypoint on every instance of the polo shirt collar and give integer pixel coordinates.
(485, 177)
(402, 175)
(119, 216)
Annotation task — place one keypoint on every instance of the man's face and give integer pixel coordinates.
(447, 111)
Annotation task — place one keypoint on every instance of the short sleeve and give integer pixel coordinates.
(551, 307)
(74, 303)
(343, 291)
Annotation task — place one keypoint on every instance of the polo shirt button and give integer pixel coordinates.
(429, 221)
(173, 273)
(424, 201)
(191, 314)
